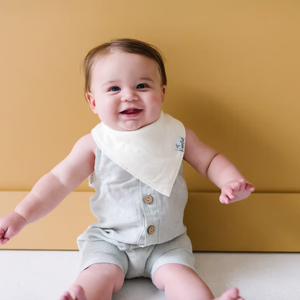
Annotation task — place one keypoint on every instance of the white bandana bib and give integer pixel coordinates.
(153, 154)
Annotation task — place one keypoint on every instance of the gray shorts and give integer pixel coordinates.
(141, 261)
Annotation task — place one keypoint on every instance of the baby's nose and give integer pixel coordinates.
(129, 95)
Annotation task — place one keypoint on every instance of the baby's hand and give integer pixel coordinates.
(10, 225)
(236, 190)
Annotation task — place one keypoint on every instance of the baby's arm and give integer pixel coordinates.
(51, 189)
(208, 162)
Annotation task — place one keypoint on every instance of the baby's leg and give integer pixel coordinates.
(97, 282)
(180, 282)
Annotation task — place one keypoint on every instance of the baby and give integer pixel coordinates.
(134, 160)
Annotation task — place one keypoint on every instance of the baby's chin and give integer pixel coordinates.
(123, 124)
(134, 128)
(130, 125)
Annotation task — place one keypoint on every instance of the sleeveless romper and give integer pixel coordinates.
(138, 228)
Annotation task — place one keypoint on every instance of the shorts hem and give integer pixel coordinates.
(107, 260)
(185, 261)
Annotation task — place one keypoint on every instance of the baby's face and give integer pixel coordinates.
(126, 91)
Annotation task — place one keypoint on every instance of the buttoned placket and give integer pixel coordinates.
(150, 207)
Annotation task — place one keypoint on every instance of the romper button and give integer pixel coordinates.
(151, 229)
(148, 199)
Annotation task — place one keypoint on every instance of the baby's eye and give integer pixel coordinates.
(114, 88)
(141, 86)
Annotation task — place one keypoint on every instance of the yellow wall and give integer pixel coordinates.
(267, 223)
(233, 69)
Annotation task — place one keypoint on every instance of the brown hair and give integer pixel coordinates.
(125, 45)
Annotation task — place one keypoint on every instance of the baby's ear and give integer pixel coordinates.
(163, 93)
(91, 100)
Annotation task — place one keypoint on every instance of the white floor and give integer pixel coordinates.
(45, 275)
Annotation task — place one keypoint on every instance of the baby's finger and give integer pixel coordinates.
(250, 187)
(224, 199)
(227, 194)
(242, 184)
(235, 186)
(228, 191)
(3, 238)
(2, 232)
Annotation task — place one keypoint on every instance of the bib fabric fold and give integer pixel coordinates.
(153, 154)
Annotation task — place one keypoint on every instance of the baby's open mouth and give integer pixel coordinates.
(131, 111)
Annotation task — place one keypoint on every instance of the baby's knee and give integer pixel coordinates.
(172, 273)
(107, 274)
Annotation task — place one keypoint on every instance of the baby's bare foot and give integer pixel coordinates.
(78, 293)
(232, 294)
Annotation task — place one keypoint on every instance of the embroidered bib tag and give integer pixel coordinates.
(180, 143)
